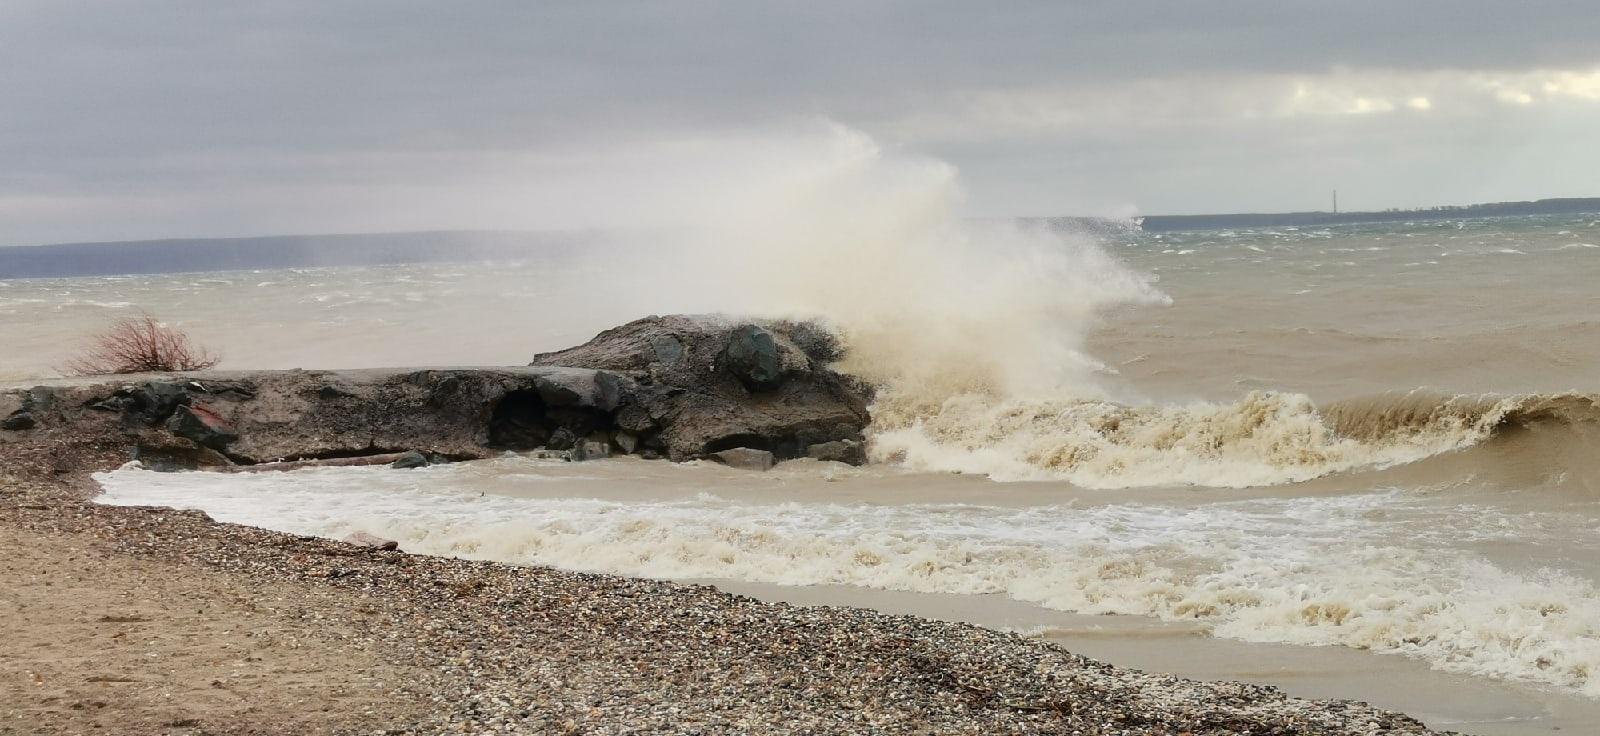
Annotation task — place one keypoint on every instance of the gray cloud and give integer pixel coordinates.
(125, 119)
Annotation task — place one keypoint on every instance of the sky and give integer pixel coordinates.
(127, 120)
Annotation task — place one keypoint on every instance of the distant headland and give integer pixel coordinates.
(1563, 206)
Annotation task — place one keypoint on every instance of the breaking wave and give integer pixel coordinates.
(1388, 571)
(975, 333)
(1266, 438)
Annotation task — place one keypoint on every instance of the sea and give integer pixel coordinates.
(1358, 461)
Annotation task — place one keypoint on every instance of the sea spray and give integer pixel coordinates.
(930, 303)
(974, 331)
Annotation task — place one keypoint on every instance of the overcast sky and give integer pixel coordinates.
(124, 120)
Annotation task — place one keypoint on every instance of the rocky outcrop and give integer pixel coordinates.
(678, 387)
(700, 385)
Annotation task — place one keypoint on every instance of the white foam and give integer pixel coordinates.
(1266, 438)
(1381, 571)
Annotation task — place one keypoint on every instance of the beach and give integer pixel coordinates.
(297, 635)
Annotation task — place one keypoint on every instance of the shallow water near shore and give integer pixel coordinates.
(1484, 635)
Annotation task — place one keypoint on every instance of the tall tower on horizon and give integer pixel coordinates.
(1335, 201)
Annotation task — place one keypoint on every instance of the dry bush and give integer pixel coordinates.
(140, 345)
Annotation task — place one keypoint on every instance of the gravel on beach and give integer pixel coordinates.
(418, 644)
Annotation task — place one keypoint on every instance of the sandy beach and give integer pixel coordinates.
(147, 620)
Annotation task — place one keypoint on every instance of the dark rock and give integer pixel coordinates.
(18, 420)
(158, 400)
(839, 451)
(372, 542)
(39, 399)
(668, 349)
(635, 417)
(519, 421)
(202, 426)
(409, 460)
(577, 420)
(752, 356)
(659, 380)
(276, 415)
(687, 385)
(744, 458)
(590, 450)
(168, 454)
(561, 439)
(114, 404)
(329, 393)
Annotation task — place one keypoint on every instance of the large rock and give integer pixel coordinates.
(409, 460)
(157, 400)
(589, 450)
(680, 387)
(371, 541)
(265, 416)
(698, 385)
(202, 426)
(751, 355)
(744, 458)
(839, 451)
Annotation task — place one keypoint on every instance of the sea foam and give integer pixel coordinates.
(1383, 571)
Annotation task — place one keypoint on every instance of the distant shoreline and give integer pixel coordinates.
(209, 255)
(1560, 206)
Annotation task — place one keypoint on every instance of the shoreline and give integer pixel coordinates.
(480, 646)
(365, 641)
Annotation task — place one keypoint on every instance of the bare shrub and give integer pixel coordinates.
(140, 345)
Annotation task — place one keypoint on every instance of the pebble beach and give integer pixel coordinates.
(152, 620)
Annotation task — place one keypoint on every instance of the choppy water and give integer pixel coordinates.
(1372, 436)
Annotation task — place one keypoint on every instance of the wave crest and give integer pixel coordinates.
(1266, 438)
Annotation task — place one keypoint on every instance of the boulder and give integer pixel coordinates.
(627, 442)
(18, 420)
(561, 439)
(691, 386)
(201, 425)
(839, 451)
(580, 388)
(751, 355)
(158, 400)
(744, 458)
(409, 460)
(372, 542)
(590, 450)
